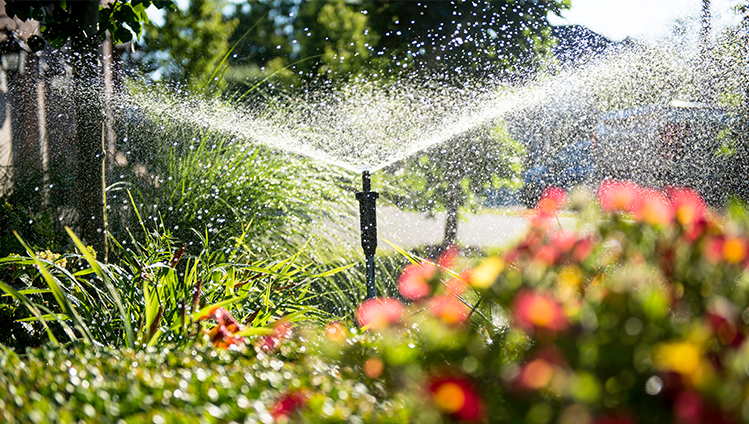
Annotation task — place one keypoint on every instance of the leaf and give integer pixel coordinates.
(47, 317)
(124, 315)
(332, 271)
(254, 331)
(59, 295)
(31, 307)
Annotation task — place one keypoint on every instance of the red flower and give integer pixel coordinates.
(287, 404)
(688, 407)
(457, 397)
(449, 309)
(723, 319)
(532, 311)
(379, 312)
(413, 283)
(617, 196)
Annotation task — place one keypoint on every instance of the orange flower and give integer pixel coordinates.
(734, 250)
(533, 311)
(456, 397)
(413, 283)
(449, 309)
(536, 374)
(379, 313)
(336, 332)
(373, 367)
(616, 196)
(222, 335)
(540, 371)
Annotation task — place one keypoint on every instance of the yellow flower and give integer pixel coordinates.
(484, 275)
(684, 358)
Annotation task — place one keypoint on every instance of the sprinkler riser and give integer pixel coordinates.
(368, 219)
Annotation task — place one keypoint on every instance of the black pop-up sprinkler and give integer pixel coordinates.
(368, 219)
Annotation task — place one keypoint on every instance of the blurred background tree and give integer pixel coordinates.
(190, 45)
(458, 172)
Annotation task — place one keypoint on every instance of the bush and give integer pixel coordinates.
(640, 315)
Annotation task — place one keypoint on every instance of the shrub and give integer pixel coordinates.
(640, 315)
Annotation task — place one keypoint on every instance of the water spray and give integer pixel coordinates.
(368, 219)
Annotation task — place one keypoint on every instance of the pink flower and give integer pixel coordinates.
(619, 196)
(281, 331)
(448, 257)
(551, 201)
(413, 283)
(654, 208)
(287, 404)
(449, 309)
(379, 313)
(537, 373)
(689, 206)
(532, 312)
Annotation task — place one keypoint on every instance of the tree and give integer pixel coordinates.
(190, 45)
(448, 175)
(84, 24)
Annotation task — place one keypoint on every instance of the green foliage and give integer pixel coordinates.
(148, 299)
(637, 316)
(447, 176)
(196, 182)
(174, 385)
(37, 228)
(343, 40)
(190, 45)
(59, 22)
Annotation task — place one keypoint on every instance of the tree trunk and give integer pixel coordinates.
(452, 203)
(451, 225)
(89, 121)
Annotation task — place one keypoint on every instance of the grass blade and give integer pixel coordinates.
(129, 339)
(58, 294)
(30, 306)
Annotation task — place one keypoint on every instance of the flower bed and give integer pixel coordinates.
(640, 316)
